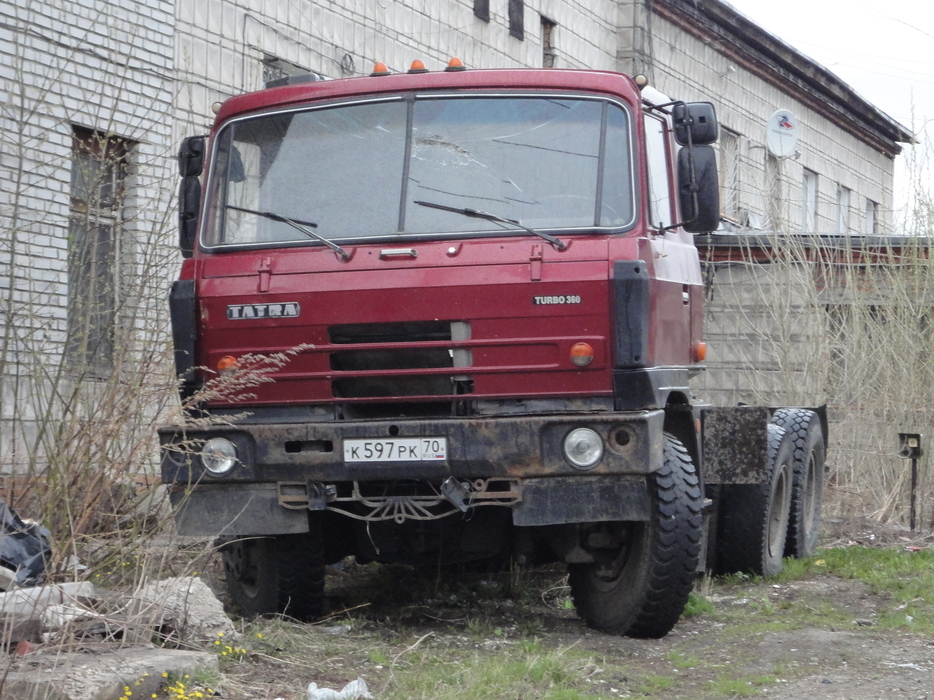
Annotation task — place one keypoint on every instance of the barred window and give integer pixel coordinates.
(98, 179)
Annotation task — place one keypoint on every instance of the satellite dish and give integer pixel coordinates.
(781, 133)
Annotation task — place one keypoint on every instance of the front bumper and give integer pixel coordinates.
(512, 446)
(288, 469)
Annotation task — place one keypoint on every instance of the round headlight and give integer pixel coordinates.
(219, 456)
(583, 448)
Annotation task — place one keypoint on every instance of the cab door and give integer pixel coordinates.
(676, 286)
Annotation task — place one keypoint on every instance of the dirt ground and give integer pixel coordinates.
(817, 637)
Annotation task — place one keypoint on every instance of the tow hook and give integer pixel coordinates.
(455, 492)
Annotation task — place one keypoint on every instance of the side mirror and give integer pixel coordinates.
(698, 189)
(191, 156)
(695, 123)
(189, 202)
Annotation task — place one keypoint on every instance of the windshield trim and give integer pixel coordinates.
(403, 236)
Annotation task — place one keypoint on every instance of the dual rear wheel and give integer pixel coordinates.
(759, 524)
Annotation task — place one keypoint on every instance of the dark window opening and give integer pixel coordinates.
(517, 19)
(98, 179)
(548, 50)
(481, 8)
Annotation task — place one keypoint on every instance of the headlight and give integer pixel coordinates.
(219, 456)
(583, 448)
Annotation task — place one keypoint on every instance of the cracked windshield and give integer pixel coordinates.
(353, 172)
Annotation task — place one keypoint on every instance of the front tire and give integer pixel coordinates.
(645, 571)
(807, 491)
(276, 575)
(754, 517)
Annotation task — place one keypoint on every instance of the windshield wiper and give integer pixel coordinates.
(477, 214)
(303, 226)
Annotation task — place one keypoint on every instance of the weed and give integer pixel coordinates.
(379, 657)
(697, 605)
(680, 660)
(655, 683)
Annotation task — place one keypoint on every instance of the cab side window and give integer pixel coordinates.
(659, 183)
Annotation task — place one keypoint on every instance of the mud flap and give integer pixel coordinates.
(735, 443)
(558, 500)
(235, 509)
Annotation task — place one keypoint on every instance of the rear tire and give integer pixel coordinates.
(807, 491)
(276, 575)
(754, 517)
(639, 586)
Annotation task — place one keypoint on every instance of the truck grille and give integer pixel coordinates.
(382, 362)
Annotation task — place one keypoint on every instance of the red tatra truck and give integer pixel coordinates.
(476, 305)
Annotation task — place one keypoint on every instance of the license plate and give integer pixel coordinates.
(424, 449)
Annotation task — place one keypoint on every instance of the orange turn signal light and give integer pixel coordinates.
(227, 362)
(417, 67)
(455, 64)
(581, 354)
(700, 351)
(379, 68)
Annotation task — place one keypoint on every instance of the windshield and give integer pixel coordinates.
(356, 171)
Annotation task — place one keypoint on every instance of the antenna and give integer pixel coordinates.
(781, 133)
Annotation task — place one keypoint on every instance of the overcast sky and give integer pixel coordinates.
(883, 50)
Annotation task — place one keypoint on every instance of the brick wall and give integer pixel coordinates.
(106, 66)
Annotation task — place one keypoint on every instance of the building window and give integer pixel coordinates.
(275, 68)
(729, 167)
(809, 201)
(517, 19)
(481, 8)
(843, 209)
(872, 217)
(548, 49)
(98, 180)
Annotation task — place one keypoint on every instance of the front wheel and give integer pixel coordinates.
(282, 574)
(644, 571)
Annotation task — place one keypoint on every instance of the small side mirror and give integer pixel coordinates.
(191, 156)
(189, 202)
(695, 123)
(698, 189)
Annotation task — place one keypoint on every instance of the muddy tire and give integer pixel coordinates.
(640, 584)
(276, 575)
(754, 517)
(807, 490)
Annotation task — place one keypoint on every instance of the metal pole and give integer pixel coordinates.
(914, 492)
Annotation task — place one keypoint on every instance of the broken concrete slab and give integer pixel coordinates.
(64, 675)
(29, 602)
(194, 611)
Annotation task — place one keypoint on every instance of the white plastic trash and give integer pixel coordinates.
(355, 690)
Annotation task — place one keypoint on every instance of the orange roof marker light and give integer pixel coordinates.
(379, 68)
(418, 67)
(455, 64)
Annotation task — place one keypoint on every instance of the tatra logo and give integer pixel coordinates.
(288, 309)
